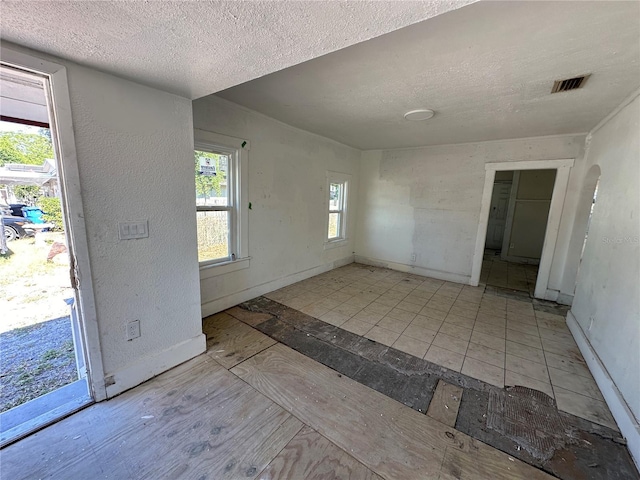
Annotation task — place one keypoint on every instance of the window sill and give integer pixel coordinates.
(342, 242)
(208, 271)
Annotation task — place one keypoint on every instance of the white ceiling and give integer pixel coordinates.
(487, 70)
(195, 48)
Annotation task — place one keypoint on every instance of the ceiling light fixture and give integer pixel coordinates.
(418, 115)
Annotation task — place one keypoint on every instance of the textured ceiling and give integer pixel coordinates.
(195, 48)
(487, 70)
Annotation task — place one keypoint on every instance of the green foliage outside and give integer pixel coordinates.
(52, 211)
(210, 186)
(25, 148)
(26, 193)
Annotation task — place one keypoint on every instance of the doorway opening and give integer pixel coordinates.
(529, 204)
(585, 212)
(43, 367)
(516, 228)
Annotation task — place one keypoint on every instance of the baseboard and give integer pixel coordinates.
(228, 301)
(551, 295)
(150, 366)
(425, 272)
(623, 416)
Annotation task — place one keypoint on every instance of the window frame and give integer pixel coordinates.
(344, 180)
(237, 149)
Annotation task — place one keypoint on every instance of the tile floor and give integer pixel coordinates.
(516, 276)
(499, 340)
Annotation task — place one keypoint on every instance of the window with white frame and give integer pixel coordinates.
(338, 189)
(221, 222)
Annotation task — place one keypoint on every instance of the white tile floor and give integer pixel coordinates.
(516, 276)
(498, 340)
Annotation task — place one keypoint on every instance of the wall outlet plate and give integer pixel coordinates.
(413, 257)
(133, 330)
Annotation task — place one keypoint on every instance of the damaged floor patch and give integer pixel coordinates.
(529, 418)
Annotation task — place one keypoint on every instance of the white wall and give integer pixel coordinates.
(427, 201)
(607, 299)
(287, 190)
(135, 156)
(134, 148)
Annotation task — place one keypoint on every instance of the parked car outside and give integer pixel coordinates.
(16, 227)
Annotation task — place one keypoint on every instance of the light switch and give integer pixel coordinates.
(133, 230)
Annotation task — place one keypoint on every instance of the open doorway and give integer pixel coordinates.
(43, 366)
(516, 228)
(532, 211)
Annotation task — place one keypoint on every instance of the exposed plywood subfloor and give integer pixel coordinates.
(445, 403)
(389, 438)
(294, 418)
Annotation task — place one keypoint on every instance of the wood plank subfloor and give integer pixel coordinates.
(230, 341)
(311, 456)
(195, 421)
(390, 439)
(445, 403)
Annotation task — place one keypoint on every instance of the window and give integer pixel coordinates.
(338, 189)
(220, 198)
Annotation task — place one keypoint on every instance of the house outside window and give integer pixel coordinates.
(338, 194)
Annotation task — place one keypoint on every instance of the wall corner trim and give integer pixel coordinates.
(152, 365)
(623, 416)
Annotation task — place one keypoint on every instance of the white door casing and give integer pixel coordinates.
(57, 90)
(563, 167)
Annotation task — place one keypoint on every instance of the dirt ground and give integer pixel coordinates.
(36, 346)
(33, 290)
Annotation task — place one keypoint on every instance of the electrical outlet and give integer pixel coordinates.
(133, 330)
(413, 257)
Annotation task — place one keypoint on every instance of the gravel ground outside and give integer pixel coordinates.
(36, 346)
(35, 360)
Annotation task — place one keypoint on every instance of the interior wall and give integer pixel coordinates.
(287, 189)
(607, 299)
(134, 148)
(135, 155)
(426, 201)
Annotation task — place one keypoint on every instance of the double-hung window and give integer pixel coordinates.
(338, 190)
(221, 221)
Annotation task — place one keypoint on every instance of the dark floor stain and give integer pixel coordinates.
(589, 450)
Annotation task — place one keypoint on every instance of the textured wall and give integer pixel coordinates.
(134, 147)
(427, 200)
(287, 189)
(607, 300)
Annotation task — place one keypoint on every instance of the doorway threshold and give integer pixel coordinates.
(25, 419)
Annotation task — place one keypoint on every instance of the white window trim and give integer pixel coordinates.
(344, 178)
(239, 236)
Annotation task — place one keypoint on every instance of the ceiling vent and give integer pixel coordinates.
(569, 84)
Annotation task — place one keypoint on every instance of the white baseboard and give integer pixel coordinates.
(150, 366)
(425, 272)
(220, 304)
(551, 295)
(623, 416)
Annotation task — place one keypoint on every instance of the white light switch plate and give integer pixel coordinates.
(131, 230)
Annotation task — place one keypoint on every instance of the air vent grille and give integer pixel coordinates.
(569, 84)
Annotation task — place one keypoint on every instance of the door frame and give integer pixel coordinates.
(57, 91)
(563, 167)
